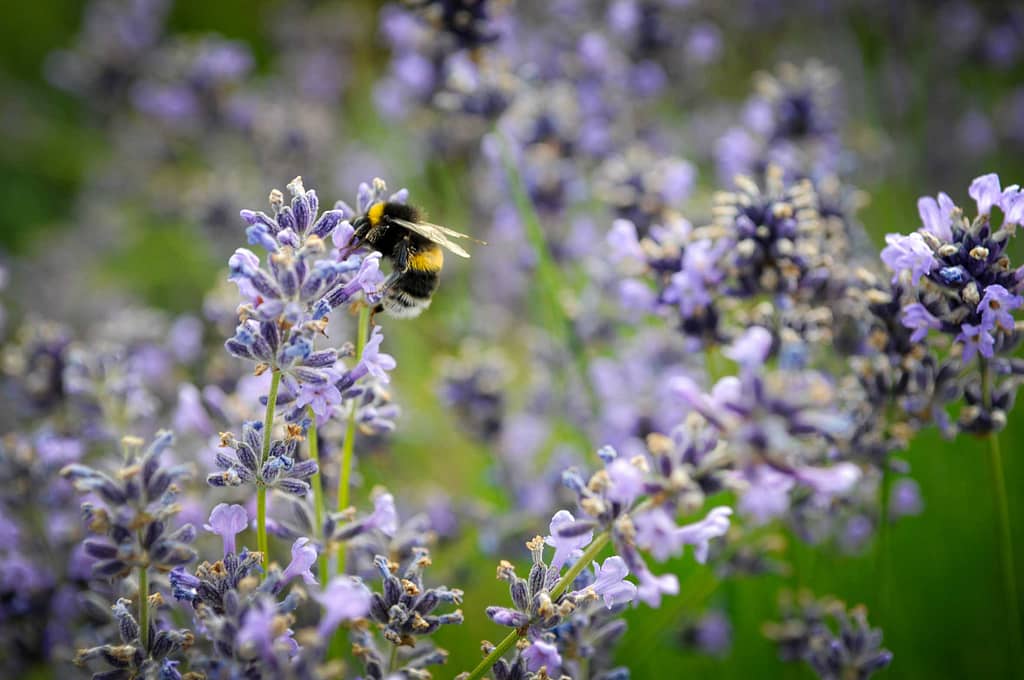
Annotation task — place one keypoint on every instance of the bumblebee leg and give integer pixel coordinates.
(400, 256)
(373, 314)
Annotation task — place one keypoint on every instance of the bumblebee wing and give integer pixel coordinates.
(455, 234)
(431, 232)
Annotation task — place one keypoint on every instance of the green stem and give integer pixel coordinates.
(319, 502)
(592, 551)
(883, 536)
(348, 446)
(1005, 544)
(144, 606)
(393, 660)
(262, 543)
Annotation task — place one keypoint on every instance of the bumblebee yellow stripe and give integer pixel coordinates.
(428, 261)
(375, 212)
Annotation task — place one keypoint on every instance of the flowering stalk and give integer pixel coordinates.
(350, 430)
(144, 605)
(1005, 538)
(261, 491)
(318, 485)
(589, 555)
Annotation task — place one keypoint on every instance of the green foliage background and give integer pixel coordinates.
(942, 608)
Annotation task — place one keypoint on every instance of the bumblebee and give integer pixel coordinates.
(414, 247)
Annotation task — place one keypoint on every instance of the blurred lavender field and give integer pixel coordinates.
(728, 392)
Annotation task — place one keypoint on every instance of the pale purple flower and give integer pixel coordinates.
(627, 481)
(636, 297)
(767, 495)
(828, 482)
(651, 587)
(995, 308)
(906, 499)
(542, 654)
(611, 584)
(321, 397)
(567, 545)
(190, 416)
(257, 627)
(384, 516)
(908, 253)
(916, 317)
(303, 559)
(986, 191)
(227, 520)
(344, 599)
(699, 534)
(623, 242)
(656, 533)
(373, 361)
(936, 216)
(976, 339)
(343, 234)
(751, 349)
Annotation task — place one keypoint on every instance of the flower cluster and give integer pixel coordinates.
(279, 470)
(804, 634)
(955, 277)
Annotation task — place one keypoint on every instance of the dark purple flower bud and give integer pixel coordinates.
(295, 487)
(503, 616)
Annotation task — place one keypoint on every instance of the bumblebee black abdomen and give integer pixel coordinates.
(410, 294)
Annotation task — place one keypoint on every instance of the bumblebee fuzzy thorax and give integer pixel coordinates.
(375, 212)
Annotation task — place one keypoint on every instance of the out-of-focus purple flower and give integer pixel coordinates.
(344, 599)
(917, 317)
(908, 253)
(714, 634)
(651, 587)
(751, 349)
(55, 450)
(699, 534)
(657, 533)
(226, 521)
(627, 481)
(541, 654)
(384, 516)
(831, 481)
(976, 339)
(624, 243)
(257, 629)
(767, 496)
(303, 559)
(611, 584)
(704, 43)
(190, 416)
(565, 546)
(906, 499)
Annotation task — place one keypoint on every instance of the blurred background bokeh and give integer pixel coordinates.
(132, 133)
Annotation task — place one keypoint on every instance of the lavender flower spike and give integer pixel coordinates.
(227, 520)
